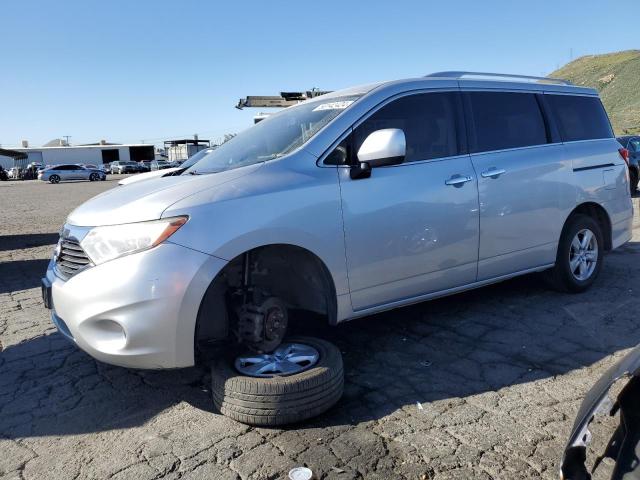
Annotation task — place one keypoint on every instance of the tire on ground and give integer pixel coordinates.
(560, 276)
(280, 400)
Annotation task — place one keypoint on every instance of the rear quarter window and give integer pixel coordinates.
(580, 117)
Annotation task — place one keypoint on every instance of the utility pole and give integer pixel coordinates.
(66, 137)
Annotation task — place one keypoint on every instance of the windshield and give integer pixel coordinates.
(273, 137)
(195, 158)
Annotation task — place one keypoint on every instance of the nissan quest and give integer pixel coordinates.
(345, 205)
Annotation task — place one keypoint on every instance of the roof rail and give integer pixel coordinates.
(461, 74)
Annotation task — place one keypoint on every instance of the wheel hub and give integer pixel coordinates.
(287, 359)
(262, 325)
(583, 254)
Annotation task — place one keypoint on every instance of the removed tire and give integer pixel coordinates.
(579, 257)
(303, 378)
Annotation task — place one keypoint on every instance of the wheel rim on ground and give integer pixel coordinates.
(583, 254)
(287, 359)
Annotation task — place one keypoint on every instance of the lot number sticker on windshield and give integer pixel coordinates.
(333, 105)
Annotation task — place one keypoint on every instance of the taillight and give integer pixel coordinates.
(624, 153)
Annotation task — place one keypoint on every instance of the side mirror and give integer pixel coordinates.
(361, 170)
(383, 147)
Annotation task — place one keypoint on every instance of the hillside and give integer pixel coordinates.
(617, 77)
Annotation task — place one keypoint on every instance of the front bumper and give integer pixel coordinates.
(136, 311)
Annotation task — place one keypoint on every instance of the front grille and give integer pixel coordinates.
(71, 258)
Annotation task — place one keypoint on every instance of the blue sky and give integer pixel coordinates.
(148, 70)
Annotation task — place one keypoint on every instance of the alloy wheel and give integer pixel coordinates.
(583, 254)
(287, 359)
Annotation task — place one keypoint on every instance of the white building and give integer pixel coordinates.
(95, 154)
(180, 150)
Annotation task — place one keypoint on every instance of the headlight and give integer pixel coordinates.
(106, 243)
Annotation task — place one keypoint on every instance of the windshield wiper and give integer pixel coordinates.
(203, 172)
(273, 156)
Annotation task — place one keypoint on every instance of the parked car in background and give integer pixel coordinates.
(624, 444)
(31, 172)
(14, 173)
(167, 172)
(35, 166)
(124, 167)
(346, 205)
(3, 174)
(93, 166)
(144, 166)
(159, 165)
(632, 144)
(61, 173)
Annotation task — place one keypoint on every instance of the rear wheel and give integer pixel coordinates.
(54, 179)
(302, 378)
(579, 257)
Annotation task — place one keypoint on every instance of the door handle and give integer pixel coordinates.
(493, 172)
(458, 180)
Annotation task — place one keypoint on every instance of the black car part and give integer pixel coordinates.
(624, 445)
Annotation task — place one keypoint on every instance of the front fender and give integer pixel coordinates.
(291, 202)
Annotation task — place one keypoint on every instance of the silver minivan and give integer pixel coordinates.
(345, 205)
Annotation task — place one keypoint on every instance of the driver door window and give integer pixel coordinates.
(429, 122)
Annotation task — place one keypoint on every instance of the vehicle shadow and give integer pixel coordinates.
(500, 336)
(481, 341)
(17, 242)
(21, 274)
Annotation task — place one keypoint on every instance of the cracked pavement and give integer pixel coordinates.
(484, 384)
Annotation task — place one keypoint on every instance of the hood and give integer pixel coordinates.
(147, 200)
(146, 176)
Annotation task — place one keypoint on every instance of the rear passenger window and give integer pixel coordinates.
(504, 120)
(429, 122)
(580, 118)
